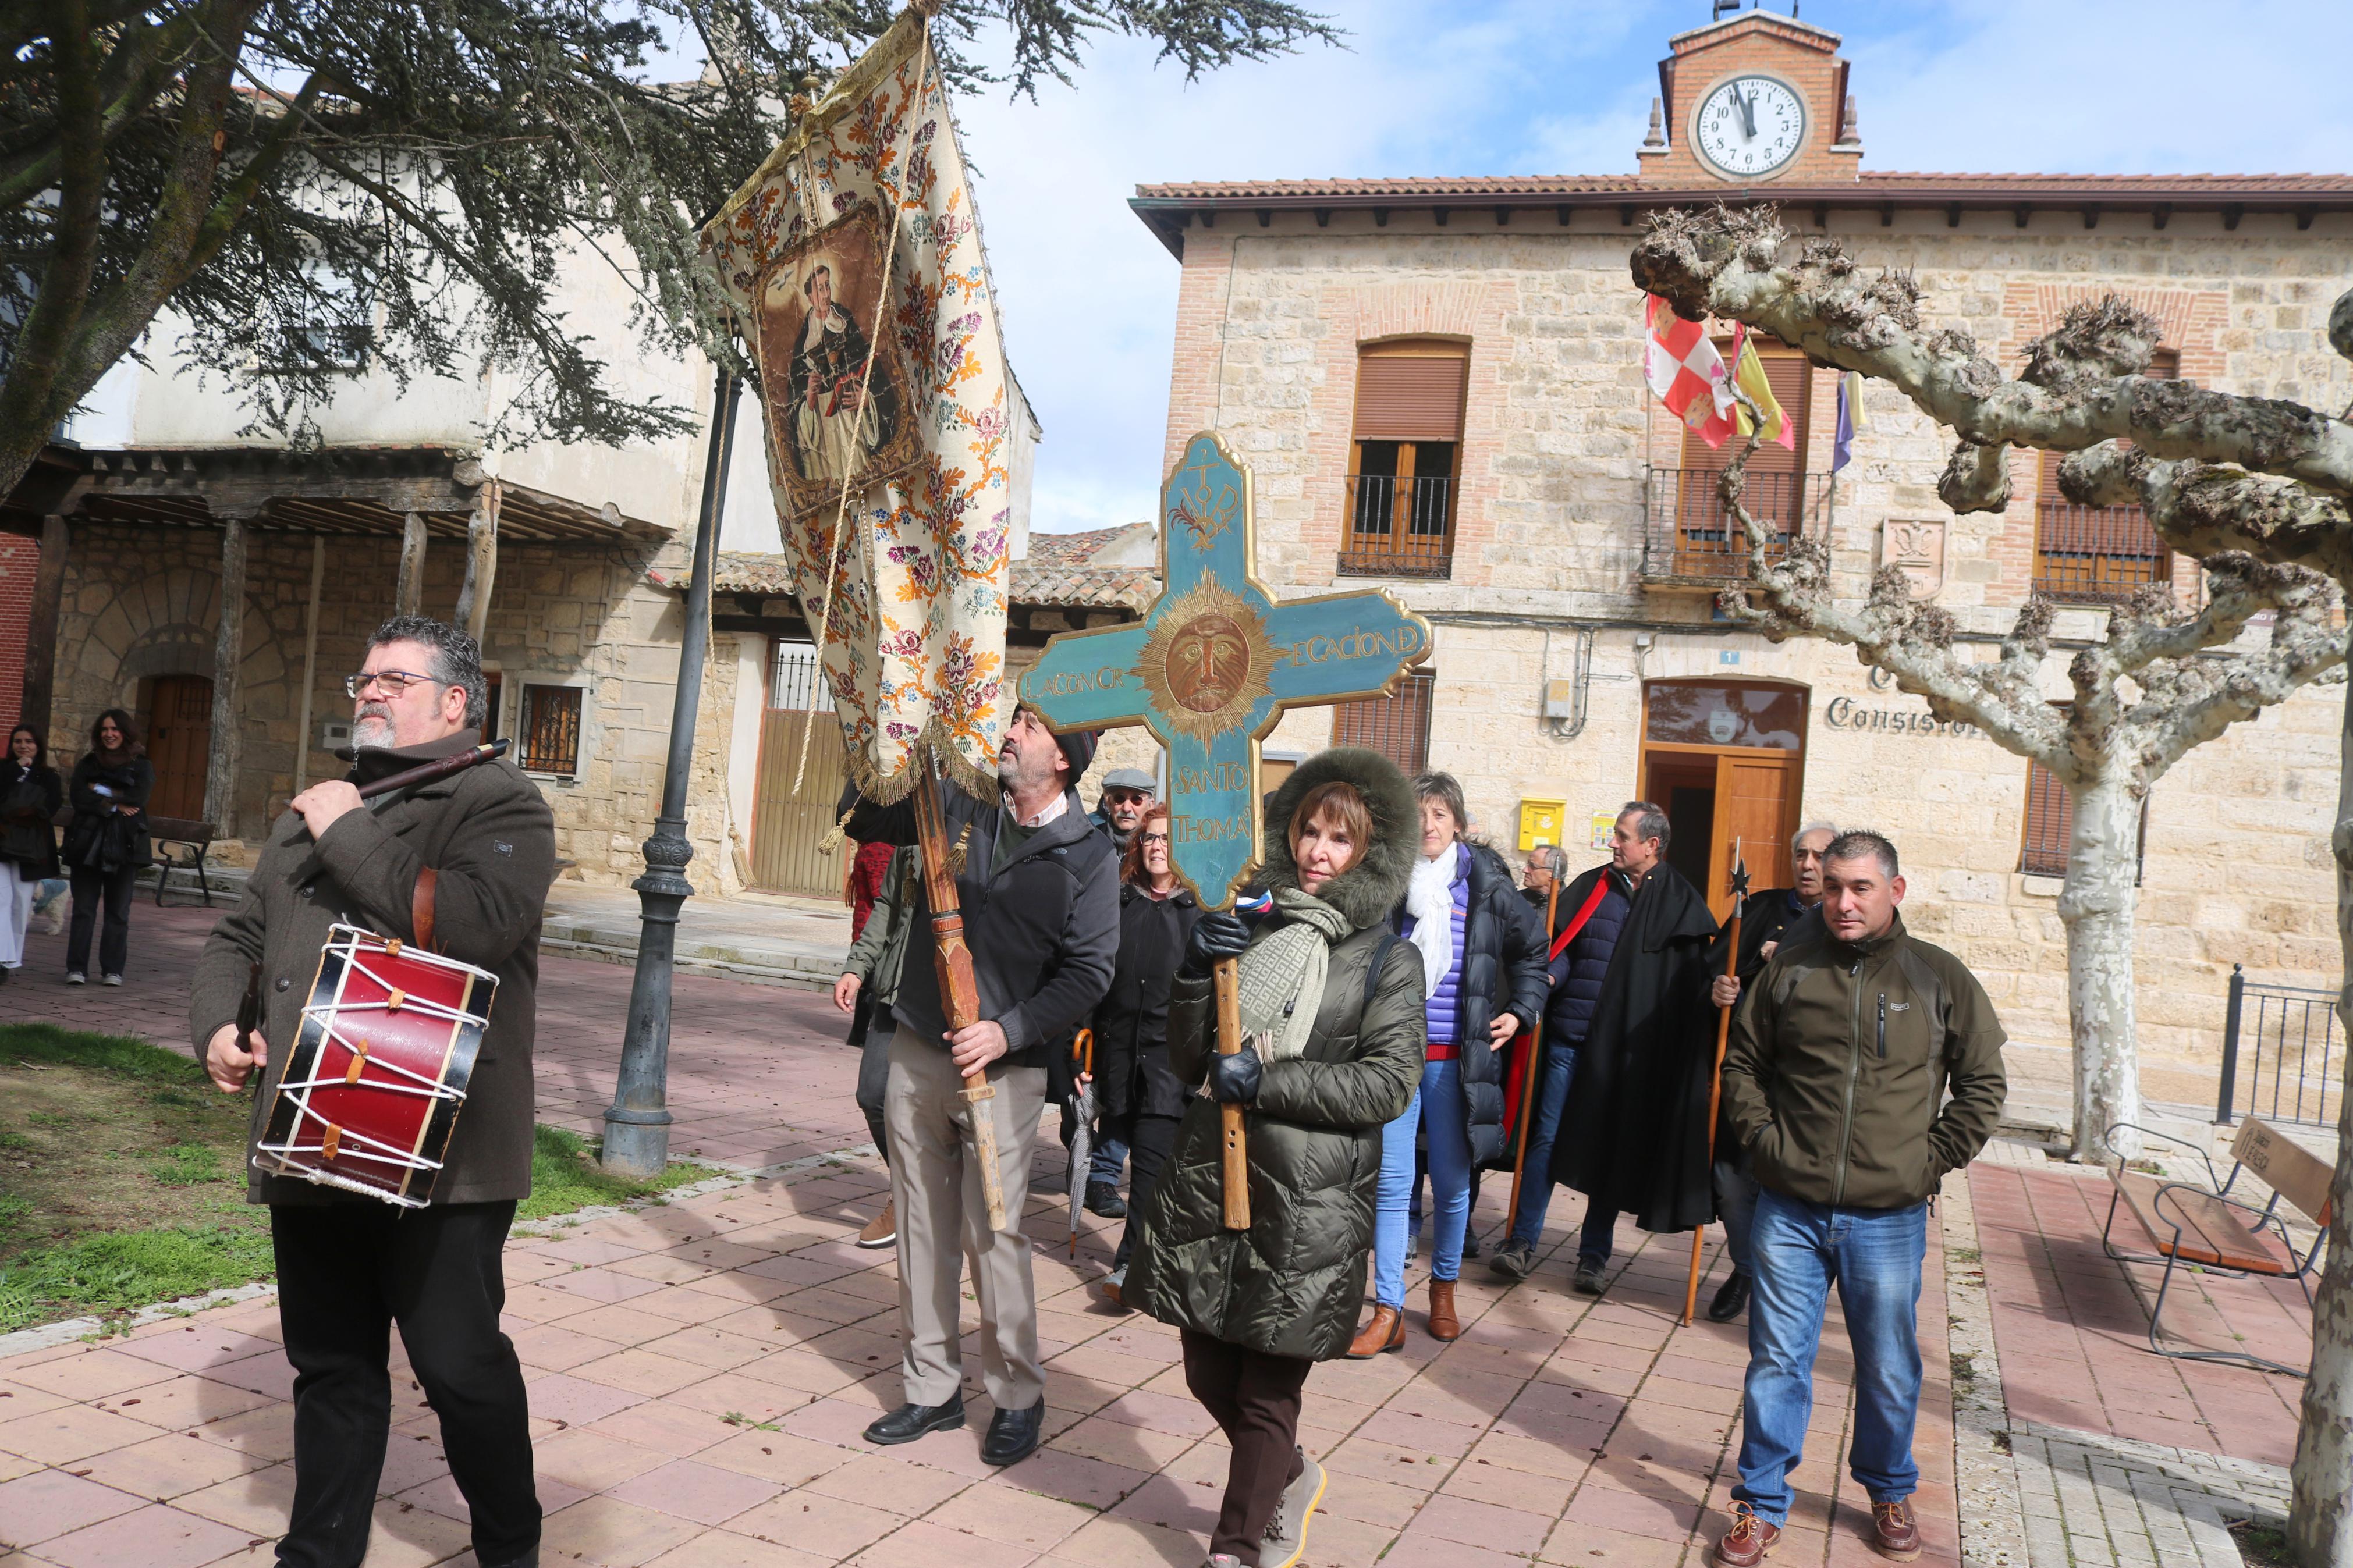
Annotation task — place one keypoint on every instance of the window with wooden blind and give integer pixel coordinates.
(493, 704)
(1397, 726)
(2097, 555)
(1405, 458)
(2051, 825)
(549, 729)
(1707, 542)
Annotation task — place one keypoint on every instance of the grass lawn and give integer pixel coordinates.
(122, 1182)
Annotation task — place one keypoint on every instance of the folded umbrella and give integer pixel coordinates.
(1080, 1107)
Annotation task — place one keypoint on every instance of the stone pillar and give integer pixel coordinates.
(411, 591)
(41, 635)
(228, 648)
(482, 561)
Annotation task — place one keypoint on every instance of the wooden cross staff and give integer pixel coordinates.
(1208, 670)
(1715, 1079)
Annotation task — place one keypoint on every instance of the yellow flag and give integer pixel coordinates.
(1748, 374)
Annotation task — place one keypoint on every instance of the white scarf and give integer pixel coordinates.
(1429, 899)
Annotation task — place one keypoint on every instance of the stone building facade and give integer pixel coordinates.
(1571, 585)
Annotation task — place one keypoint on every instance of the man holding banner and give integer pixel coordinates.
(1042, 888)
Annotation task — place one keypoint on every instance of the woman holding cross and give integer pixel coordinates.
(1333, 1001)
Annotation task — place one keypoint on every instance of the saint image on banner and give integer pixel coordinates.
(818, 316)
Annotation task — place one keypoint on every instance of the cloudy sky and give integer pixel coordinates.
(1537, 87)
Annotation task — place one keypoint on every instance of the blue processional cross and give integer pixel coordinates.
(1215, 661)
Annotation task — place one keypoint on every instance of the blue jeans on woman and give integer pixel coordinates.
(1798, 1250)
(1448, 1129)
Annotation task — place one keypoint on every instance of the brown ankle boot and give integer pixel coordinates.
(1443, 1323)
(1385, 1332)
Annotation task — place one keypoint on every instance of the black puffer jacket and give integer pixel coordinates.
(1291, 1284)
(1131, 1023)
(1503, 961)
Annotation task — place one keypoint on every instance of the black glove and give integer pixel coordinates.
(1235, 1079)
(1215, 936)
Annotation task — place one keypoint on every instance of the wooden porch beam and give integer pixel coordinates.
(228, 648)
(410, 591)
(41, 635)
(482, 561)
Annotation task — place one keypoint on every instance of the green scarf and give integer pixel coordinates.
(1283, 973)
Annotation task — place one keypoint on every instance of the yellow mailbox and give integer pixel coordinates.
(1540, 821)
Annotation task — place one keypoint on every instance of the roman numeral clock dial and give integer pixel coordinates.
(1750, 126)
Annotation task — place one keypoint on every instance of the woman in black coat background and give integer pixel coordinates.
(107, 846)
(30, 795)
(1138, 1099)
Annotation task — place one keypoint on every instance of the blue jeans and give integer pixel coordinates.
(1111, 1151)
(1798, 1250)
(1535, 1178)
(1449, 1130)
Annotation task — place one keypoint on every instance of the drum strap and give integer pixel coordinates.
(420, 908)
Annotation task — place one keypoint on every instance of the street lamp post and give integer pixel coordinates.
(636, 1124)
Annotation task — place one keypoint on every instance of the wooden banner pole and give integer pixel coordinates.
(959, 994)
(1715, 1083)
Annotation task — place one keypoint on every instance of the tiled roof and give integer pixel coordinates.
(1051, 581)
(1875, 182)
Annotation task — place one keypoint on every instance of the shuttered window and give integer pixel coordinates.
(494, 693)
(1404, 459)
(1397, 726)
(1707, 542)
(551, 730)
(2097, 555)
(2050, 824)
(1791, 376)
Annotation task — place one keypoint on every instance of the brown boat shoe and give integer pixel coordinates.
(882, 1230)
(1749, 1540)
(1896, 1533)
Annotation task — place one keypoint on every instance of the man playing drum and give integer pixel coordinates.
(461, 864)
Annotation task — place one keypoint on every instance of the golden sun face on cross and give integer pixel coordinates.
(1206, 660)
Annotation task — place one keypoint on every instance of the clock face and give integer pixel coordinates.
(1750, 125)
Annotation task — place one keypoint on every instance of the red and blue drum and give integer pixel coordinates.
(376, 1078)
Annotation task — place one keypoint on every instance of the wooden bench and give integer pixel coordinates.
(2211, 1230)
(190, 842)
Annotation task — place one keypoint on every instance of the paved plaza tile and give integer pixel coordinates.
(700, 1371)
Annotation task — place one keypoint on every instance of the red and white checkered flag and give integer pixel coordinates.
(1682, 367)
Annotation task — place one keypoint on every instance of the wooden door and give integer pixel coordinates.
(1755, 812)
(788, 825)
(179, 744)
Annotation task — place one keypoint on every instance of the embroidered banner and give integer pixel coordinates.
(853, 260)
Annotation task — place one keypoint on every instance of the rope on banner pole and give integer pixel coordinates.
(865, 387)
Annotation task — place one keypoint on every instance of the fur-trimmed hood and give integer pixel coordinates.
(1366, 892)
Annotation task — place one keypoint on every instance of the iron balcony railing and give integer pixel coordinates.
(2280, 1055)
(2096, 555)
(1399, 527)
(1687, 532)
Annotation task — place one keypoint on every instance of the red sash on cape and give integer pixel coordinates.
(1515, 1069)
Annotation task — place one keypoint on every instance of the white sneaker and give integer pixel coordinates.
(114, 980)
(76, 977)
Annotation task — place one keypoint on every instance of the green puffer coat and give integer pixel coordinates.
(1293, 1284)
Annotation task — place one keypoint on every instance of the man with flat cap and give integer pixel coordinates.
(1125, 792)
(1040, 892)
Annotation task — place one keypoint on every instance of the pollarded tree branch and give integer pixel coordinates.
(1911, 640)
(2203, 509)
(2077, 391)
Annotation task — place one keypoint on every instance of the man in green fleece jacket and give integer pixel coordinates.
(1835, 1085)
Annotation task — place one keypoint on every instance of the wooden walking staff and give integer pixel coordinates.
(1208, 670)
(1528, 1072)
(1715, 1079)
(959, 994)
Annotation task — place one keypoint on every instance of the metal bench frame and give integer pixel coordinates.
(189, 855)
(2217, 1189)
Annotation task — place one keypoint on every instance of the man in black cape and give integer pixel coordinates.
(1634, 1136)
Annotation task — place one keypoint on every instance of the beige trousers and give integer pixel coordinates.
(944, 1220)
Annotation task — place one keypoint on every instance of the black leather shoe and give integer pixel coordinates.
(1013, 1434)
(1731, 1298)
(1588, 1275)
(1103, 1201)
(909, 1422)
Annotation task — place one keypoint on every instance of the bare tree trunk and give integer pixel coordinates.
(2320, 1516)
(2097, 908)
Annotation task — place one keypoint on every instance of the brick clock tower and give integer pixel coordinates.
(1755, 99)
